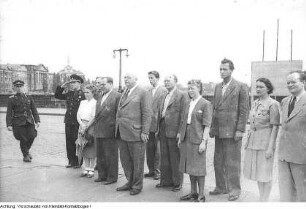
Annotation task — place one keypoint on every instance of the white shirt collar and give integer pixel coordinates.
(132, 89)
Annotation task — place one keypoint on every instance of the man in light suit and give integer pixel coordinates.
(106, 142)
(230, 113)
(292, 141)
(169, 118)
(153, 145)
(134, 117)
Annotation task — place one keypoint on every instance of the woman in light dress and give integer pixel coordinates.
(193, 137)
(85, 116)
(260, 145)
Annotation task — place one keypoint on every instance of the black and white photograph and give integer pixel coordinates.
(152, 101)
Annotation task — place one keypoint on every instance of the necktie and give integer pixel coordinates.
(291, 106)
(125, 96)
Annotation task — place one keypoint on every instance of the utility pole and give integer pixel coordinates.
(120, 64)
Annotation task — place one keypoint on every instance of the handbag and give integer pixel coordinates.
(89, 135)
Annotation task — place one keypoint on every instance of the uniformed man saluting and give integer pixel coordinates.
(21, 118)
(73, 98)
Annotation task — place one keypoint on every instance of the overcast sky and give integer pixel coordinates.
(185, 37)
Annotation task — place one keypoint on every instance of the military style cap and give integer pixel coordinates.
(75, 77)
(18, 83)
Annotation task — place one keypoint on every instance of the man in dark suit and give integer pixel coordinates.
(106, 142)
(171, 113)
(73, 98)
(292, 141)
(230, 113)
(21, 118)
(134, 117)
(153, 145)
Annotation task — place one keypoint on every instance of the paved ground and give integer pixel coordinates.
(47, 180)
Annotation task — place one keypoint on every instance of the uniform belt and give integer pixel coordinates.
(259, 128)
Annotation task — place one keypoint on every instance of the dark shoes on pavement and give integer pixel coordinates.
(109, 182)
(217, 192)
(99, 179)
(27, 159)
(200, 199)
(156, 176)
(123, 188)
(177, 188)
(162, 186)
(135, 191)
(191, 196)
(233, 197)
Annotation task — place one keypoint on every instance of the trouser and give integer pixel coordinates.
(153, 153)
(227, 165)
(71, 131)
(170, 159)
(292, 181)
(26, 135)
(107, 158)
(132, 156)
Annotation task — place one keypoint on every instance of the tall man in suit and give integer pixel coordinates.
(106, 142)
(153, 145)
(169, 118)
(230, 113)
(292, 141)
(134, 117)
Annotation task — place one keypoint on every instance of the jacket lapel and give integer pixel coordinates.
(130, 97)
(297, 108)
(229, 90)
(172, 99)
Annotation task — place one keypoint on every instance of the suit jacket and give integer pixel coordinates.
(200, 118)
(156, 103)
(106, 115)
(292, 140)
(230, 112)
(174, 112)
(134, 115)
(20, 110)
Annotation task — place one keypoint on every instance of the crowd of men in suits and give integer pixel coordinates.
(147, 122)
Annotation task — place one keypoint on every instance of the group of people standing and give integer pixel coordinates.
(172, 127)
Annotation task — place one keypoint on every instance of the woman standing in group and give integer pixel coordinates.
(85, 116)
(260, 145)
(193, 137)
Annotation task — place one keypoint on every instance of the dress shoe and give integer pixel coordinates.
(90, 174)
(147, 175)
(109, 182)
(77, 166)
(27, 159)
(156, 176)
(233, 197)
(161, 185)
(123, 188)
(217, 192)
(69, 166)
(99, 179)
(177, 188)
(191, 196)
(135, 191)
(200, 199)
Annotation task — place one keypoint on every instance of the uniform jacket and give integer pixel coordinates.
(200, 118)
(106, 115)
(156, 103)
(174, 112)
(292, 140)
(73, 100)
(230, 112)
(134, 115)
(20, 110)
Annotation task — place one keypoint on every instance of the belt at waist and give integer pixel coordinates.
(259, 128)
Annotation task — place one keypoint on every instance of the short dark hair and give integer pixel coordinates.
(91, 88)
(230, 63)
(267, 83)
(197, 83)
(109, 80)
(302, 74)
(155, 73)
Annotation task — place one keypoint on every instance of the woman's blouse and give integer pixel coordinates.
(263, 115)
(87, 109)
